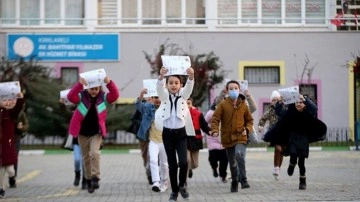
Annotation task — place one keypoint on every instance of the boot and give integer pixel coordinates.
(83, 183)
(290, 169)
(12, 182)
(89, 187)
(77, 178)
(302, 184)
(234, 186)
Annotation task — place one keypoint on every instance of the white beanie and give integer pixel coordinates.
(274, 94)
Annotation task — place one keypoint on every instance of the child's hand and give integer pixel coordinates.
(107, 80)
(190, 72)
(143, 91)
(162, 73)
(244, 132)
(20, 95)
(83, 81)
(61, 101)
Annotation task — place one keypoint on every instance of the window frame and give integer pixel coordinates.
(263, 64)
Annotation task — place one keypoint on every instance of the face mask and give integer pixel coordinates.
(233, 94)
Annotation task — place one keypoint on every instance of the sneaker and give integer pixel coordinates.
(245, 185)
(276, 172)
(95, 182)
(156, 186)
(2, 193)
(173, 197)
(190, 173)
(184, 193)
(290, 169)
(215, 173)
(163, 185)
(12, 182)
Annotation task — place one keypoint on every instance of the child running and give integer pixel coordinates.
(174, 117)
(88, 124)
(149, 132)
(236, 124)
(9, 112)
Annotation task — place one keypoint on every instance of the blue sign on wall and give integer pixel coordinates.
(60, 47)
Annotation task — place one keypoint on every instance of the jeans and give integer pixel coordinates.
(77, 157)
(175, 142)
(236, 155)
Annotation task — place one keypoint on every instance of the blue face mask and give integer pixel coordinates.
(233, 94)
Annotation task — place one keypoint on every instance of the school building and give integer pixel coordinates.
(271, 43)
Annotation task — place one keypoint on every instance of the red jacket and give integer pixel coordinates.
(7, 133)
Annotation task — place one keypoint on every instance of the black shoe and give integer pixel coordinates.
(173, 197)
(12, 182)
(215, 173)
(234, 186)
(190, 173)
(223, 179)
(95, 182)
(89, 187)
(245, 185)
(184, 193)
(77, 178)
(2, 193)
(84, 184)
(302, 184)
(290, 169)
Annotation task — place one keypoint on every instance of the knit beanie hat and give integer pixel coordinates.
(274, 94)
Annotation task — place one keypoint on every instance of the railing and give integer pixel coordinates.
(335, 136)
(326, 24)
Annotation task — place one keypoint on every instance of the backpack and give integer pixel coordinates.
(135, 122)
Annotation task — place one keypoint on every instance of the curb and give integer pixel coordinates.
(137, 151)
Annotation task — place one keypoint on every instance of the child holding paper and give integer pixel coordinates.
(299, 127)
(9, 112)
(88, 124)
(174, 118)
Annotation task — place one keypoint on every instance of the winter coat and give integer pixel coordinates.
(81, 98)
(8, 117)
(302, 127)
(234, 120)
(182, 109)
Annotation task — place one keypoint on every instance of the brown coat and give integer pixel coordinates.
(233, 121)
(7, 133)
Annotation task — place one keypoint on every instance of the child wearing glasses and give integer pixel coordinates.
(88, 124)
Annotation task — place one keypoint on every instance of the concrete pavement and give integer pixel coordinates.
(331, 176)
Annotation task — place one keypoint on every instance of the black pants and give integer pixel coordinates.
(220, 156)
(175, 142)
(301, 163)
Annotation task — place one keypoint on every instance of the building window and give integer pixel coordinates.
(249, 11)
(292, 11)
(315, 11)
(128, 11)
(69, 75)
(30, 12)
(74, 12)
(195, 9)
(271, 12)
(173, 13)
(7, 8)
(52, 11)
(151, 9)
(228, 9)
(262, 74)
